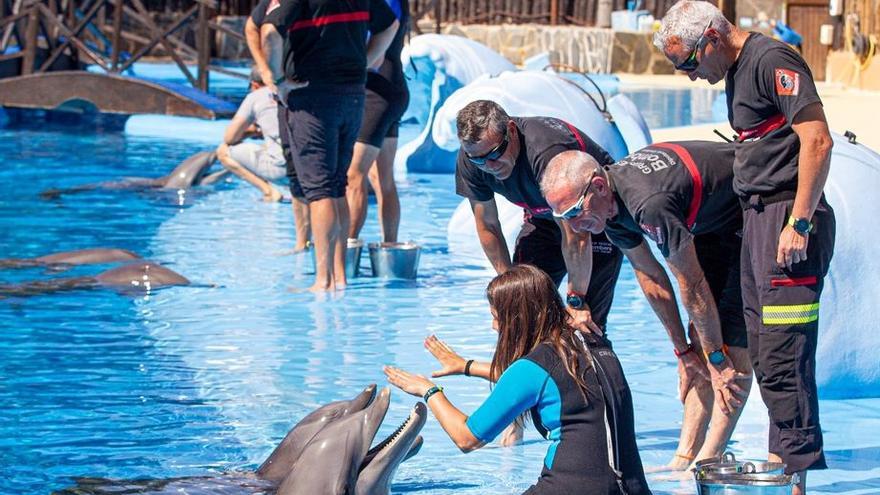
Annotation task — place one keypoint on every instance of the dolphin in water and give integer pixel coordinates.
(139, 276)
(64, 259)
(190, 172)
(327, 452)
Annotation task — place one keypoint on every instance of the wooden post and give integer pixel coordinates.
(30, 42)
(203, 45)
(728, 8)
(437, 11)
(117, 33)
(554, 12)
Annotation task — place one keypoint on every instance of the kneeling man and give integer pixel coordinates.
(679, 195)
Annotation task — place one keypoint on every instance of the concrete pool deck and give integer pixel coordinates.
(846, 109)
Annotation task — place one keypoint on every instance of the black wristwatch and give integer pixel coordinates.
(800, 225)
(574, 300)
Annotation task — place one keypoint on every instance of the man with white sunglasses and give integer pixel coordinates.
(507, 155)
(680, 196)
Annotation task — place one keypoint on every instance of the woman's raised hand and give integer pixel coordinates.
(452, 363)
(410, 383)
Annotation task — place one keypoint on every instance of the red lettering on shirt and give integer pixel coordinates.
(787, 82)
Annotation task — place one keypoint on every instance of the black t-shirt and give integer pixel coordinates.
(540, 139)
(258, 15)
(388, 80)
(325, 40)
(655, 192)
(766, 88)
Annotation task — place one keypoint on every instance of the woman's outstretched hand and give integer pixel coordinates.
(452, 363)
(410, 383)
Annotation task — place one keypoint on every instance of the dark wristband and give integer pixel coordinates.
(467, 367)
(431, 391)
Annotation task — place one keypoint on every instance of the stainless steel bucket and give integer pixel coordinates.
(727, 476)
(395, 260)
(352, 258)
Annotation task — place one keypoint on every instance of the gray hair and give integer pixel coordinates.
(479, 116)
(256, 76)
(687, 20)
(569, 169)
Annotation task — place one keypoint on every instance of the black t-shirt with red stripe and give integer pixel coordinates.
(766, 88)
(325, 40)
(654, 188)
(258, 14)
(540, 139)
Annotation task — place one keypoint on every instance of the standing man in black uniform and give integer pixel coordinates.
(386, 100)
(680, 196)
(782, 160)
(255, 42)
(507, 155)
(326, 56)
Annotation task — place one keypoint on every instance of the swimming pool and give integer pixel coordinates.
(194, 381)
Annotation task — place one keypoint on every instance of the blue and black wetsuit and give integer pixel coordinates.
(577, 461)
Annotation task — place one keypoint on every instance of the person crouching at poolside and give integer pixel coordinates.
(571, 384)
(256, 163)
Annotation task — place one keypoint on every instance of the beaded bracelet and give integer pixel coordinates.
(431, 391)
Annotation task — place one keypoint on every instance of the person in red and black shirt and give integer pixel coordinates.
(679, 195)
(507, 155)
(325, 58)
(783, 155)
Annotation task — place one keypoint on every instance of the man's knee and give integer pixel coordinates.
(223, 152)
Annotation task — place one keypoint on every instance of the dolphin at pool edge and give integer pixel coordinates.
(136, 277)
(190, 172)
(327, 452)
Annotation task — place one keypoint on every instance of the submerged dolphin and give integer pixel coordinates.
(325, 453)
(92, 256)
(141, 276)
(190, 172)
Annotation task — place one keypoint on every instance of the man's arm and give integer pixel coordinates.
(255, 45)
(577, 250)
(236, 130)
(272, 45)
(697, 298)
(657, 287)
(490, 234)
(379, 43)
(814, 162)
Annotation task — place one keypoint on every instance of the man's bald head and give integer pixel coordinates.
(568, 171)
(576, 186)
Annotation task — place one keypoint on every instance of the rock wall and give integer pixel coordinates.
(594, 50)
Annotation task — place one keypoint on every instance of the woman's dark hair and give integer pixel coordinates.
(529, 311)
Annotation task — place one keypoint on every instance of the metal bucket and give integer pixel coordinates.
(352, 258)
(727, 476)
(395, 260)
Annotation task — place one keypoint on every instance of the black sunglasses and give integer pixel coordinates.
(494, 154)
(691, 63)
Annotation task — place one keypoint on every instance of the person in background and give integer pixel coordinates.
(258, 164)
(783, 155)
(255, 42)
(325, 57)
(571, 385)
(386, 100)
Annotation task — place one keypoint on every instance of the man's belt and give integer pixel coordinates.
(766, 127)
(759, 201)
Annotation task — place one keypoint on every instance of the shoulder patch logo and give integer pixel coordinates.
(787, 82)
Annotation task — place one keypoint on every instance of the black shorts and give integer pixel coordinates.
(718, 254)
(540, 244)
(284, 135)
(383, 108)
(323, 123)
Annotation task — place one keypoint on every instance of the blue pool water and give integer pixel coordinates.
(206, 380)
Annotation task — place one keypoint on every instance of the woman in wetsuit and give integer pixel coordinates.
(573, 389)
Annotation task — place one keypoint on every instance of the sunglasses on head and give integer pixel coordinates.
(577, 208)
(691, 63)
(494, 154)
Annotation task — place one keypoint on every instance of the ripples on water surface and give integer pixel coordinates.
(199, 381)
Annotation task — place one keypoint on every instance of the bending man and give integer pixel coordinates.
(680, 196)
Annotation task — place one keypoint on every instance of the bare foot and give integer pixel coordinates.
(680, 462)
